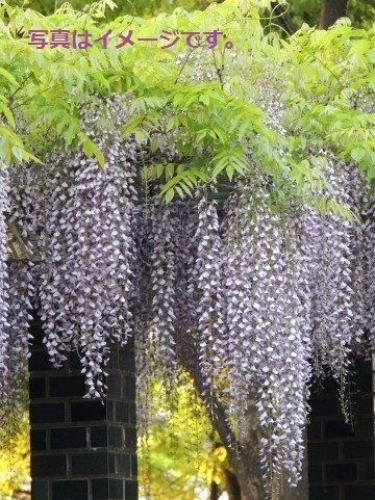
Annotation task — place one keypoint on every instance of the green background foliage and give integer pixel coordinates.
(315, 75)
(302, 11)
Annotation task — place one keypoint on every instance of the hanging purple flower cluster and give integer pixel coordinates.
(266, 341)
(83, 218)
(17, 291)
(86, 280)
(367, 263)
(207, 278)
(4, 298)
(239, 250)
(21, 292)
(163, 284)
(334, 259)
(250, 300)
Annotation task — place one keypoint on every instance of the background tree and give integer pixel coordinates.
(291, 15)
(331, 11)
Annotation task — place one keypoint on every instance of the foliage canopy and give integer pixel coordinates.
(321, 78)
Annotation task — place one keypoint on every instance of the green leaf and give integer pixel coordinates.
(8, 76)
(357, 154)
(169, 195)
(141, 136)
(18, 153)
(91, 149)
(8, 114)
(230, 172)
(169, 170)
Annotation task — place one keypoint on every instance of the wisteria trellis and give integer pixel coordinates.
(268, 298)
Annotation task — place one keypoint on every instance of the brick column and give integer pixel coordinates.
(341, 457)
(81, 449)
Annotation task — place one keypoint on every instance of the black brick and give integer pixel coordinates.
(337, 428)
(116, 489)
(123, 464)
(115, 436)
(39, 361)
(131, 490)
(324, 407)
(114, 385)
(106, 436)
(324, 493)
(363, 367)
(38, 440)
(99, 436)
(39, 490)
(132, 414)
(114, 358)
(110, 410)
(359, 449)
(130, 438)
(100, 489)
(122, 412)
(129, 388)
(360, 492)
(90, 463)
(323, 451)
(341, 472)
(74, 361)
(37, 388)
(127, 360)
(74, 437)
(369, 471)
(326, 386)
(67, 386)
(69, 490)
(131, 343)
(41, 413)
(134, 465)
(88, 411)
(363, 405)
(364, 383)
(365, 427)
(48, 465)
(315, 474)
(330, 386)
(111, 463)
(314, 430)
(36, 331)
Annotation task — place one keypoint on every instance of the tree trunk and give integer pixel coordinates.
(214, 491)
(232, 486)
(246, 464)
(246, 483)
(245, 458)
(331, 11)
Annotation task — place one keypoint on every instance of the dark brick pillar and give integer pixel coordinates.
(341, 457)
(81, 449)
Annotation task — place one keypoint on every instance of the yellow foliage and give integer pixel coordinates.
(220, 454)
(216, 462)
(15, 462)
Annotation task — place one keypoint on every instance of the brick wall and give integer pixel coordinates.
(81, 449)
(341, 457)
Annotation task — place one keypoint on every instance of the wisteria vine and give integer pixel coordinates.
(261, 298)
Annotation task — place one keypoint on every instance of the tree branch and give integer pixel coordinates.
(281, 12)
